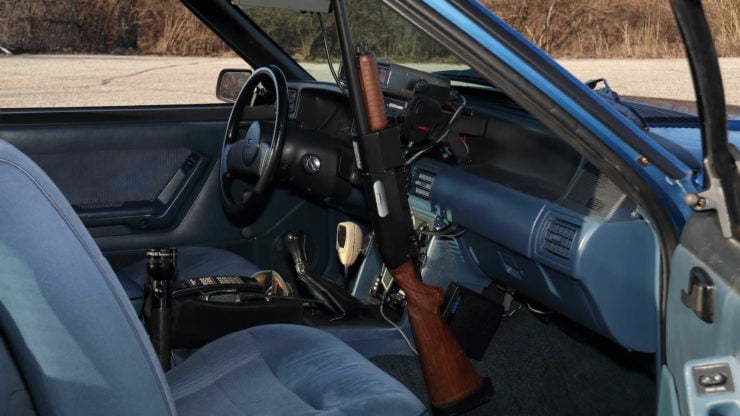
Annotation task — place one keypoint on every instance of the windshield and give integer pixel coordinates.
(637, 49)
(392, 38)
(635, 45)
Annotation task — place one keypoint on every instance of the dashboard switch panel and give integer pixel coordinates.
(421, 183)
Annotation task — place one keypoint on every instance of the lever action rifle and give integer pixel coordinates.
(453, 384)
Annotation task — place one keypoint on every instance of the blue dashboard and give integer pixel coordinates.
(588, 253)
(538, 218)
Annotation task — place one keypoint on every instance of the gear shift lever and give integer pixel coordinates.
(295, 242)
(334, 297)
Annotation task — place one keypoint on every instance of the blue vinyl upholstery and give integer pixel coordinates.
(74, 342)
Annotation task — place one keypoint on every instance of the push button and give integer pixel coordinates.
(713, 379)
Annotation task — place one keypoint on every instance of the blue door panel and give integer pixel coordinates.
(692, 343)
(148, 177)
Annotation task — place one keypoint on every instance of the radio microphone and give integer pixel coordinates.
(349, 244)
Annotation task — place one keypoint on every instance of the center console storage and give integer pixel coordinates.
(203, 309)
(207, 308)
(197, 321)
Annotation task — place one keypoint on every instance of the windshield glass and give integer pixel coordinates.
(392, 38)
(635, 45)
(637, 48)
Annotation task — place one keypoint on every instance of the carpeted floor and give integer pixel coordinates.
(553, 367)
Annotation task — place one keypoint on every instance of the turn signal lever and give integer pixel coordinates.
(333, 297)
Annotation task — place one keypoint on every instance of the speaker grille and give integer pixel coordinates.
(597, 193)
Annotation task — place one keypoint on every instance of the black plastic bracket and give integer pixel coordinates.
(381, 151)
(700, 297)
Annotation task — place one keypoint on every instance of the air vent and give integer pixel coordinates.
(421, 183)
(292, 94)
(559, 237)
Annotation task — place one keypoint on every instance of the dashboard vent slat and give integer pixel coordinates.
(292, 95)
(558, 237)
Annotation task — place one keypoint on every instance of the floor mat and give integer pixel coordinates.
(550, 366)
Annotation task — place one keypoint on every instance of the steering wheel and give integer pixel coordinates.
(250, 161)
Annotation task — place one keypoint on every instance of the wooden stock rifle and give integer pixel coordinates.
(452, 382)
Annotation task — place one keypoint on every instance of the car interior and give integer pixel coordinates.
(550, 269)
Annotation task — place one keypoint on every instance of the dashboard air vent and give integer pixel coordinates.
(559, 236)
(421, 183)
(292, 94)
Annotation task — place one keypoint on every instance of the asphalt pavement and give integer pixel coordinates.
(101, 80)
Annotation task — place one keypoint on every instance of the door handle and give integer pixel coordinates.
(700, 298)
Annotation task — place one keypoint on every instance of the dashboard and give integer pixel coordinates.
(539, 218)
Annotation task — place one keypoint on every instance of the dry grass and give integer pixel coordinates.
(104, 26)
(724, 16)
(563, 28)
(167, 28)
(67, 26)
(608, 29)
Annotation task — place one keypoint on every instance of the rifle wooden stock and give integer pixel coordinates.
(447, 370)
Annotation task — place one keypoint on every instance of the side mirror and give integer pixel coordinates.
(230, 82)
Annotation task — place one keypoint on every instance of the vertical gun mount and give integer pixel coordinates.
(454, 386)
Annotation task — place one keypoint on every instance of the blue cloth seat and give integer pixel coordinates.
(289, 370)
(73, 345)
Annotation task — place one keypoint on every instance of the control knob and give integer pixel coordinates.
(311, 163)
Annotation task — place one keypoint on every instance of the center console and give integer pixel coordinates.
(210, 307)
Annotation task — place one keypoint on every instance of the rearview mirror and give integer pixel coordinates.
(230, 82)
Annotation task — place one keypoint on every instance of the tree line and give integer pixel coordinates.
(563, 28)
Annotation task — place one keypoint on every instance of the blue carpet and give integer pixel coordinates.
(551, 366)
